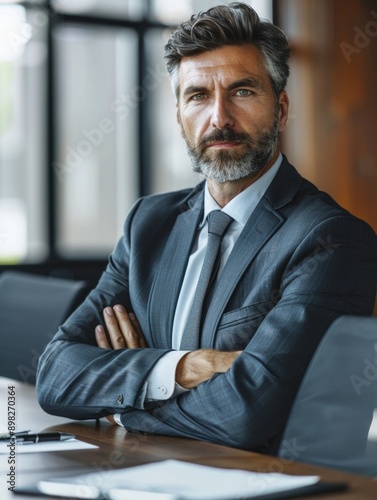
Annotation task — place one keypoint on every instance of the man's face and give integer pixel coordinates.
(228, 113)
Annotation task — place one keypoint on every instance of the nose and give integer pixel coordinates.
(222, 116)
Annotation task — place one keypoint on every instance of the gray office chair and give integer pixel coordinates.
(333, 421)
(31, 309)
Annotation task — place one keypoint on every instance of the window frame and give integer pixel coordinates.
(55, 264)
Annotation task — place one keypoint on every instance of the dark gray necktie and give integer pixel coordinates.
(218, 222)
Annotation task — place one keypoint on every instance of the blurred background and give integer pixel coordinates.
(87, 117)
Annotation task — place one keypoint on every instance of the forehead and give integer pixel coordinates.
(224, 65)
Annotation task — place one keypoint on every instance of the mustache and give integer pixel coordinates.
(224, 135)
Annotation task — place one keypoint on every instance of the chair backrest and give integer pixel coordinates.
(31, 310)
(334, 417)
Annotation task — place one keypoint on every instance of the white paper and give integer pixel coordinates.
(3, 429)
(69, 444)
(177, 481)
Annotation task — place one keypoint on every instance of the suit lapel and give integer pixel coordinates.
(172, 267)
(262, 224)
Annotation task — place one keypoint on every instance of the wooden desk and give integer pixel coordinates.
(120, 449)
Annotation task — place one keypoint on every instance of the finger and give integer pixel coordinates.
(129, 332)
(135, 323)
(111, 419)
(101, 337)
(116, 337)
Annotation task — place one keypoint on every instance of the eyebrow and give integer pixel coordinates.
(194, 89)
(255, 83)
(250, 81)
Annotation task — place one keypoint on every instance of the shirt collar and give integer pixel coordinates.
(242, 206)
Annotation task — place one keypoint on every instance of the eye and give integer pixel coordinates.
(243, 92)
(198, 97)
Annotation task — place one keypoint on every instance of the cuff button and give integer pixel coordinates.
(120, 399)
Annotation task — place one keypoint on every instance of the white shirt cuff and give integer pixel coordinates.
(161, 383)
(117, 419)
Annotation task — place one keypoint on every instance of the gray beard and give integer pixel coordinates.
(230, 165)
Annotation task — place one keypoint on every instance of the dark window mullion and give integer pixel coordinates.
(143, 121)
(52, 215)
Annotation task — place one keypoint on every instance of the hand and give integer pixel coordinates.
(123, 330)
(198, 366)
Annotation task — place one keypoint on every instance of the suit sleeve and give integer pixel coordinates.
(331, 273)
(77, 379)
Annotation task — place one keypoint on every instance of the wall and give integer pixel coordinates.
(331, 136)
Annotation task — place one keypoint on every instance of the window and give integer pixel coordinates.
(173, 11)
(87, 122)
(96, 127)
(23, 183)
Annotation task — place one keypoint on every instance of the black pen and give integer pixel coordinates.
(44, 437)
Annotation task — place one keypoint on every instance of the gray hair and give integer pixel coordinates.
(233, 24)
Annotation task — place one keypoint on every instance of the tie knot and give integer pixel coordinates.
(218, 222)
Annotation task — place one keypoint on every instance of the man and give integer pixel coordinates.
(216, 351)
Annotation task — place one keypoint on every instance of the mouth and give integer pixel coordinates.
(223, 144)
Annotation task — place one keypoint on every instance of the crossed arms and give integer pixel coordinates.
(195, 367)
(241, 397)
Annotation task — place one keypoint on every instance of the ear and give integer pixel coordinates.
(283, 110)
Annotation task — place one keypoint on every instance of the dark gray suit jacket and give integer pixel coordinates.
(300, 262)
